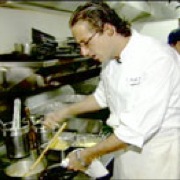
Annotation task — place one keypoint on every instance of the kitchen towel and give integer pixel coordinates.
(95, 170)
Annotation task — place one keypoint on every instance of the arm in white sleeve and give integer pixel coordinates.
(100, 95)
(149, 102)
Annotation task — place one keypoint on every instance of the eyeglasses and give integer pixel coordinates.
(86, 43)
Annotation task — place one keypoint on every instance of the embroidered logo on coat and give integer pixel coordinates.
(134, 80)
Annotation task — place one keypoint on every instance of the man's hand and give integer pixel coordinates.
(89, 104)
(53, 119)
(79, 160)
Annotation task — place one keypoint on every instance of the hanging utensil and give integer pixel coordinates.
(16, 123)
(32, 133)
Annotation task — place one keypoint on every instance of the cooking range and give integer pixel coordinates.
(79, 133)
(52, 159)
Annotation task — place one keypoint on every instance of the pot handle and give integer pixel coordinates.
(1, 125)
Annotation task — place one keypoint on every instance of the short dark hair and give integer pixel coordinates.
(97, 15)
(174, 36)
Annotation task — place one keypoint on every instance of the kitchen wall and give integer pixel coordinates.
(16, 26)
(158, 29)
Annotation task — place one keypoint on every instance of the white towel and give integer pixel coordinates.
(95, 170)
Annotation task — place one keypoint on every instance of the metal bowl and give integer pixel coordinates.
(18, 170)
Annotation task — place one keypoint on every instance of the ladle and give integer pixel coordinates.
(16, 123)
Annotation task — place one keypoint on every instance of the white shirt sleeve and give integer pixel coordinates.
(100, 96)
(148, 102)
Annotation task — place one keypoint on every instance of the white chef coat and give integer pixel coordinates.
(143, 94)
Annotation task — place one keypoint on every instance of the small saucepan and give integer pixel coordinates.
(58, 151)
(56, 171)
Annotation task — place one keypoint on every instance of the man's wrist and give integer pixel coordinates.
(82, 162)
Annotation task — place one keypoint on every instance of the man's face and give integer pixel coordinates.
(177, 47)
(93, 44)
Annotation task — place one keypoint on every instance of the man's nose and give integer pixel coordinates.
(84, 51)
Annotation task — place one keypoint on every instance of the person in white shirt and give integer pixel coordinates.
(174, 39)
(140, 84)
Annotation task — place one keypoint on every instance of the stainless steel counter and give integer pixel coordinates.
(31, 64)
(44, 63)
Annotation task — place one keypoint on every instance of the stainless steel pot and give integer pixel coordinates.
(43, 134)
(53, 155)
(57, 154)
(16, 140)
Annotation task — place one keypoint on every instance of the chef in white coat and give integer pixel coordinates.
(140, 84)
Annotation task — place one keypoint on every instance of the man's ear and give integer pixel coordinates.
(177, 46)
(109, 29)
(178, 43)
